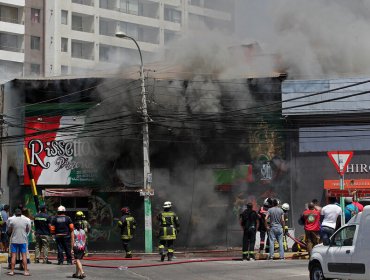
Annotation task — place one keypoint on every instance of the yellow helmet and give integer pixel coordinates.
(80, 214)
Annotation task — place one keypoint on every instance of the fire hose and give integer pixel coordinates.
(297, 241)
(161, 264)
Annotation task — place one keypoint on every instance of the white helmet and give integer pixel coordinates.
(61, 208)
(285, 206)
(167, 204)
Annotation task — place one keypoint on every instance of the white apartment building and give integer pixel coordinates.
(80, 34)
(12, 34)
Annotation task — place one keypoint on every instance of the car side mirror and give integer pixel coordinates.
(326, 242)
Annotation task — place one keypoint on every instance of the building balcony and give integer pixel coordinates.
(11, 55)
(84, 2)
(13, 28)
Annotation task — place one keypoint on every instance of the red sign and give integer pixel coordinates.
(340, 159)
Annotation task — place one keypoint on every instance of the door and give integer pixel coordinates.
(339, 256)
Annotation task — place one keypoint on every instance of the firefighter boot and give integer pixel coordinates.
(169, 256)
(128, 255)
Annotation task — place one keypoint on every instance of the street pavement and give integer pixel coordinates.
(226, 269)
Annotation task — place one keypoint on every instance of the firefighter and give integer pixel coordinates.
(262, 229)
(85, 225)
(127, 224)
(62, 227)
(285, 208)
(250, 222)
(169, 228)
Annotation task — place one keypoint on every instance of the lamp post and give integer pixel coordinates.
(147, 174)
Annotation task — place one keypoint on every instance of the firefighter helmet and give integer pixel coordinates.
(267, 202)
(79, 214)
(285, 206)
(167, 204)
(125, 210)
(61, 208)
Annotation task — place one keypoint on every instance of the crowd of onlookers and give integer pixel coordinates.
(321, 222)
(69, 237)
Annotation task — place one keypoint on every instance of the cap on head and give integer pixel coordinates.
(348, 200)
(61, 208)
(167, 204)
(125, 210)
(42, 207)
(285, 206)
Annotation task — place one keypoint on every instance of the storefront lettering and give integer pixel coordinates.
(358, 168)
(62, 150)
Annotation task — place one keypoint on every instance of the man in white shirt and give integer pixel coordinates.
(330, 214)
(19, 226)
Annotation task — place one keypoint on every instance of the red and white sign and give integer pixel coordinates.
(340, 159)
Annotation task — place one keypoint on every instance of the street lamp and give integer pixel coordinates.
(147, 173)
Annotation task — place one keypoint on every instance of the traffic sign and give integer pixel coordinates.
(340, 159)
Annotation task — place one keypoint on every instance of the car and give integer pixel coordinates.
(347, 256)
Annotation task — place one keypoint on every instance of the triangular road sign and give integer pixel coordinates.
(340, 159)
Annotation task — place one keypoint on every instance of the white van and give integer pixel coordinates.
(347, 256)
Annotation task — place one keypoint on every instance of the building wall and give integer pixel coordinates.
(12, 30)
(88, 28)
(34, 28)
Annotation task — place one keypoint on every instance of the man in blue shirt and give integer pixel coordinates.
(350, 210)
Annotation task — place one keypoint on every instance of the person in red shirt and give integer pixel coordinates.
(359, 206)
(311, 219)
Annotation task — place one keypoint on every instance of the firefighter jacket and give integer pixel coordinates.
(127, 224)
(169, 225)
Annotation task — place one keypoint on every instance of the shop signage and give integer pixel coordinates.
(57, 155)
(340, 159)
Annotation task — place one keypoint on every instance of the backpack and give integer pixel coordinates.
(354, 211)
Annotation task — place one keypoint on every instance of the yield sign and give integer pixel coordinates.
(340, 159)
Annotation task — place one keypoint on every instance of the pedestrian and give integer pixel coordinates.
(250, 223)
(330, 214)
(62, 227)
(317, 205)
(358, 205)
(19, 227)
(127, 225)
(80, 217)
(169, 228)
(275, 216)
(350, 209)
(262, 227)
(4, 241)
(42, 235)
(311, 218)
(285, 207)
(79, 245)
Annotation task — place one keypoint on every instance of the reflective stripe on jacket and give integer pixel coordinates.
(127, 224)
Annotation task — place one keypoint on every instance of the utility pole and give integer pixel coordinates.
(147, 180)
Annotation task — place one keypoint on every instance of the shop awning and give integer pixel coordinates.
(358, 187)
(67, 192)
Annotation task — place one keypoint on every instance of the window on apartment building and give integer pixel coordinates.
(9, 14)
(35, 69)
(35, 43)
(64, 69)
(195, 2)
(9, 42)
(104, 52)
(35, 15)
(64, 45)
(170, 14)
(129, 6)
(130, 29)
(64, 17)
(77, 23)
